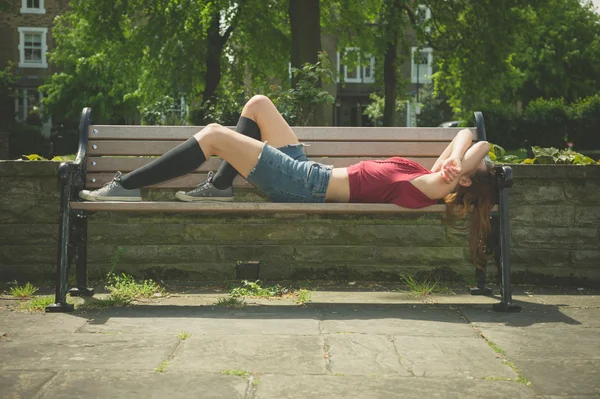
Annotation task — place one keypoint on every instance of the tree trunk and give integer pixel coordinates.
(390, 81)
(305, 23)
(212, 76)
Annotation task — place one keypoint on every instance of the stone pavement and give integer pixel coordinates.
(356, 343)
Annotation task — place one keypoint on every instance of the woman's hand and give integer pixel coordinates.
(451, 169)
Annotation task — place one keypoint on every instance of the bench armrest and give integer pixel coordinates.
(505, 176)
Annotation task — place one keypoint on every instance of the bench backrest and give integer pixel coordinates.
(112, 148)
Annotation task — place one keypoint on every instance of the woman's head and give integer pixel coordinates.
(475, 194)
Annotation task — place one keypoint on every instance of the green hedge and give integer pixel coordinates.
(546, 123)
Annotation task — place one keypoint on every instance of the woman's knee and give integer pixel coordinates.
(256, 103)
(209, 135)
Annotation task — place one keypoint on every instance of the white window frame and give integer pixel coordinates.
(427, 78)
(27, 10)
(427, 15)
(44, 49)
(360, 70)
(370, 79)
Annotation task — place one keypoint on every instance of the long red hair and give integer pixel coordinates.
(476, 200)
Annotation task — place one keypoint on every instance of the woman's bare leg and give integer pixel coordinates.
(240, 151)
(273, 128)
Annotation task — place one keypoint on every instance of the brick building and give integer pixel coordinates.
(25, 38)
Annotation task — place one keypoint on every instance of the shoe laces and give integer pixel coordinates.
(116, 179)
(208, 182)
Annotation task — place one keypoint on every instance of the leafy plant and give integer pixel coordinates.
(254, 289)
(183, 335)
(542, 156)
(303, 296)
(425, 286)
(301, 102)
(38, 304)
(23, 291)
(126, 288)
(230, 302)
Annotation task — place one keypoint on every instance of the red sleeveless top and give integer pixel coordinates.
(388, 181)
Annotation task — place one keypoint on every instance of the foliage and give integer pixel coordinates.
(27, 139)
(23, 291)
(546, 123)
(121, 57)
(424, 286)
(183, 335)
(435, 109)
(304, 296)
(254, 289)
(231, 302)
(299, 103)
(543, 156)
(126, 288)
(490, 53)
(375, 109)
(38, 304)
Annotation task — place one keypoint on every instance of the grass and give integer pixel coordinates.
(231, 302)
(425, 286)
(495, 347)
(237, 373)
(254, 289)
(183, 335)
(38, 304)
(93, 303)
(23, 291)
(162, 368)
(126, 288)
(304, 296)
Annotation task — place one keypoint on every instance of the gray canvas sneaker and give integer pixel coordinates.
(206, 192)
(112, 191)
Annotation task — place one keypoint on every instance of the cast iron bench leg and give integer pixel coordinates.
(80, 238)
(64, 234)
(506, 304)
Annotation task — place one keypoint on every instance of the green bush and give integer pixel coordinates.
(586, 114)
(27, 139)
(546, 123)
(542, 156)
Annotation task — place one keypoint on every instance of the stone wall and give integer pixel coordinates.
(555, 219)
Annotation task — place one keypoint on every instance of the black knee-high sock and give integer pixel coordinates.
(224, 176)
(183, 159)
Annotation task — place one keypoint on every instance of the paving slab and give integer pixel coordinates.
(519, 343)
(254, 353)
(23, 384)
(357, 354)
(531, 316)
(451, 357)
(419, 320)
(564, 377)
(344, 387)
(128, 385)
(171, 320)
(28, 324)
(86, 351)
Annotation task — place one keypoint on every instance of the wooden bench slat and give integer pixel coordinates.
(127, 164)
(315, 149)
(97, 180)
(249, 207)
(104, 132)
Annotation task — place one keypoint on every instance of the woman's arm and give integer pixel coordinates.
(460, 143)
(474, 156)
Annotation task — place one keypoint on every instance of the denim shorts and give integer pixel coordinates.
(286, 175)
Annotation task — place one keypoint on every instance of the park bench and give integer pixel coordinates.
(105, 149)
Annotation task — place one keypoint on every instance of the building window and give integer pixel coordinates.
(26, 101)
(32, 47)
(362, 72)
(421, 65)
(32, 7)
(422, 14)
